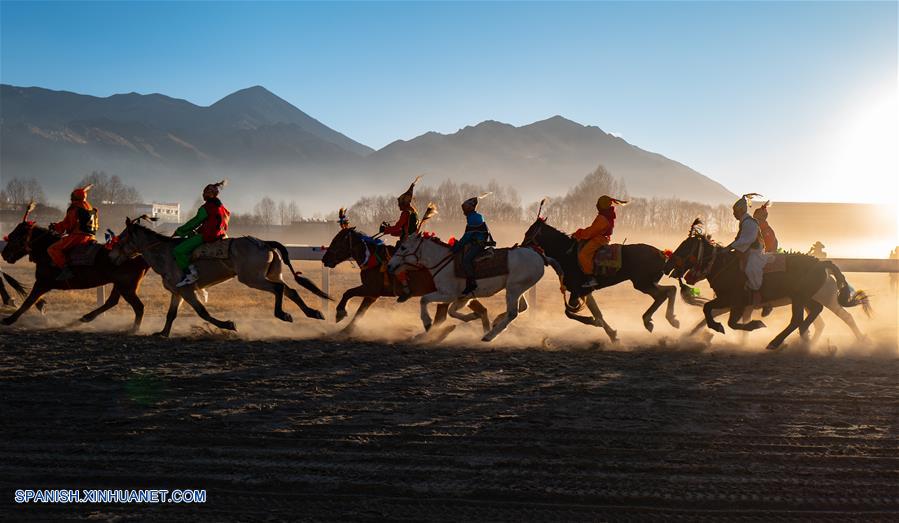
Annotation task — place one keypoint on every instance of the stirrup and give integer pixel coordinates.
(589, 284)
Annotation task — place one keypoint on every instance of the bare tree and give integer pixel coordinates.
(266, 211)
(23, 191)
(110, 189)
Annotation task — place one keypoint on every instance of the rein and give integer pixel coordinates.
(439, 266)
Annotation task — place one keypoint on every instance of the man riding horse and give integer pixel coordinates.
(749, 244)
(599, 233)
(769, 239)
(209, 225)
(477, 238)
(404, 226)
(78, 228)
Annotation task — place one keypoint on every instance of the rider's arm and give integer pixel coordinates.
(397, 228)
(192, 224)
(600, 223)
(749, 233)
(69, 223)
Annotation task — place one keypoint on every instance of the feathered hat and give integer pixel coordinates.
(406, 197)
(342, 219)
(762, 212)
(473, 201)
(605, 201)
(80, 194)
(430, 212)
(745, 202)
(214, 188)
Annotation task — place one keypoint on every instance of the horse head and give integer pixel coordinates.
(693, 255)
(131, 241)
(342, 246)
(408, 253)
(540, 234)
(18, 242)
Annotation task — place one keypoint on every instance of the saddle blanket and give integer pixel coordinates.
(488, 266)
(219, 250)
(607, 259)
(84, 255)
(778, 263)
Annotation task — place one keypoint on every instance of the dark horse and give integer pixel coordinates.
(350, 244)
(640, 263)
(29, 239)
(698, 257)
(17, 286)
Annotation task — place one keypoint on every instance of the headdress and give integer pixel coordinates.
(342, 219)
(745, 202)
(406, 197)
(80, 194)
(214, 188)
(762, 212)
(473, 201)
(605, 201)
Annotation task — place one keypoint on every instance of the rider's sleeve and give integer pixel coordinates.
(193, 223)
(397, 228)
(600, 223)
(69, 223)
(749, 233)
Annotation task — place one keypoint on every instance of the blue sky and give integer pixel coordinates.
(793, 100)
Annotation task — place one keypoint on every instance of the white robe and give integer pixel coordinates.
(756, 259)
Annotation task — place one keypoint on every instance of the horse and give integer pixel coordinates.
(641, 264)
(350, 244)
(699, 257)
(421, 252)
(29, 239)
(255, 263)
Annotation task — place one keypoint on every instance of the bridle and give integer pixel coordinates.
(416, 255)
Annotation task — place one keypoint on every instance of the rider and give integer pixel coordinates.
(749, 244)
(209, 225)
(817, 251)
(599, 233)
(761, 216)
(477, 235)
(404, 226)
(79, 227)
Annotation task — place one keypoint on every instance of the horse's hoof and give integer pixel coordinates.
(161, 334)
(772, 346)
(229, 325)
(315, 315)
(717, 327)
(85, 319)
(286, 317)
(674, 322)
(649, 326)
(7, 321)
(339, 316)
(756, 324)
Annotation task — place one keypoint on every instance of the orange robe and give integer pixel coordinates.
(74, 235)
(597, 235)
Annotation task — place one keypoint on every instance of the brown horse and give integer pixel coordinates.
(29, 239)
(350, 244)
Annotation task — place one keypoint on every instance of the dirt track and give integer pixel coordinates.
(354, 430)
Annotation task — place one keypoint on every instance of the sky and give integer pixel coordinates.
(797, 101)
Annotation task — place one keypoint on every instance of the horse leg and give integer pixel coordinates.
(795, 321)
(367, 302)
(658, 296)
(522, 304)
(423, 307)
(671, 293)
(36, 292)
(814, 309)
(745, 312)
(481, 311)
(512, 296)
(110, 302)
(598, 319)
(441, 313)
(847, 318)
(275, 287)
(344, 300)
(4, 295)
(170, 316)
(458, 304)
(190, 296)
(137, 306)
(708, 310)
(702, 322)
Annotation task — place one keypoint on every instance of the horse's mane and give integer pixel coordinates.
(153, 234)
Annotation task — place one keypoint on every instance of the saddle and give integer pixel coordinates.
(607, 260)
(492, 262)
(217, 250)
(84, 255)
(777, 264)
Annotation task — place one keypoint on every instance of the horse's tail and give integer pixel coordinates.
(689, 297)
(305, 282)
(848, 297)
(16, 285)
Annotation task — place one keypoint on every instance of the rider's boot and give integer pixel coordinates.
(65, 273)
(589, 284)
(190, 277)
(471, 285)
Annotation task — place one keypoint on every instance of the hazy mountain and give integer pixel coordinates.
(543, 158)
(170, 148)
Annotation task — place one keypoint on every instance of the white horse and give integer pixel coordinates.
(525, 269)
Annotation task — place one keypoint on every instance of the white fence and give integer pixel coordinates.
(312, 253)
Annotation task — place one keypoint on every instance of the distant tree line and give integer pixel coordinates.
(268, 212)
(575, 209)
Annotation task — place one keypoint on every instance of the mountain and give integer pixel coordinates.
(543, 158)
(169, 148)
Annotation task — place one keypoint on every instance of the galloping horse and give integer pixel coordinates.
(698, 257)
(640, 263)
(256, 264)
(350, 244)
(29, 239)
(524, 270)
